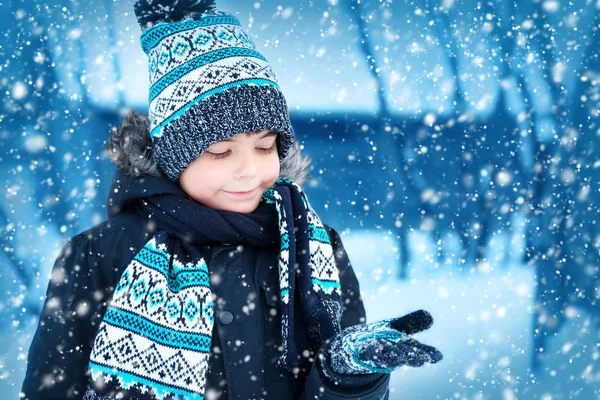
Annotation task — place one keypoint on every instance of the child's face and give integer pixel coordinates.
(247, 162)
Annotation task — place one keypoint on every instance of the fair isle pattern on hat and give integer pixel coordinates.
(195, 59)
(208, 82)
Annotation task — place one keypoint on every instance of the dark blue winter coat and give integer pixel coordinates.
(246, 337)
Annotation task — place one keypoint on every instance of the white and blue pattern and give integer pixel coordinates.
(324, 275)
(158, 326)
(351, 342)
(194, 59)
(156, 333)
(208, 82)
(324, 272)
(184, 92)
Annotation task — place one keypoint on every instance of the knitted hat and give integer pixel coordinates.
(207, 82)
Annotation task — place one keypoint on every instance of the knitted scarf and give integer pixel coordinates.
(156, 333)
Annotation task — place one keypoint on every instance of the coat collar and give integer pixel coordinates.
(129, 147)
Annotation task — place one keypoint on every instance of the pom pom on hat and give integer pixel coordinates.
(149, 12)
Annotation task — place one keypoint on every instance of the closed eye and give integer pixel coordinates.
(268, 150)
(217, 155)
(226, 153)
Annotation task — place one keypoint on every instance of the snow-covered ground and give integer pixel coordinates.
(482, 326)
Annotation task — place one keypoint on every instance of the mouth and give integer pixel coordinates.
(248, 193)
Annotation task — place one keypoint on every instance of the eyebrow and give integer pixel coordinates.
(266, 134)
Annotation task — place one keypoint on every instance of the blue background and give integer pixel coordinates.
(453, 145)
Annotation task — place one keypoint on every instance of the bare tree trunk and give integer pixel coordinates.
(554, 245)
(389, 145)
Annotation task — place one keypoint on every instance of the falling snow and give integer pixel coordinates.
(454, 146)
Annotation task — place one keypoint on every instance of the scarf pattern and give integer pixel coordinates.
(156, 333)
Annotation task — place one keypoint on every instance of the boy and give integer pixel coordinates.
(213, 276)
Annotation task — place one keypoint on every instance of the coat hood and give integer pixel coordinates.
(129, 147)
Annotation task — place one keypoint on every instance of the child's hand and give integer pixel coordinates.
(379, 347)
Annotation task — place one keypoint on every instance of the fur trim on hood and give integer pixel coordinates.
(129, 147)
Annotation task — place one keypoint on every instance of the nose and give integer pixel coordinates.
(247, 167)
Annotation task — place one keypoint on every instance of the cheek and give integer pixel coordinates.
(213, 179)
(202, 182)
(272, 170)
